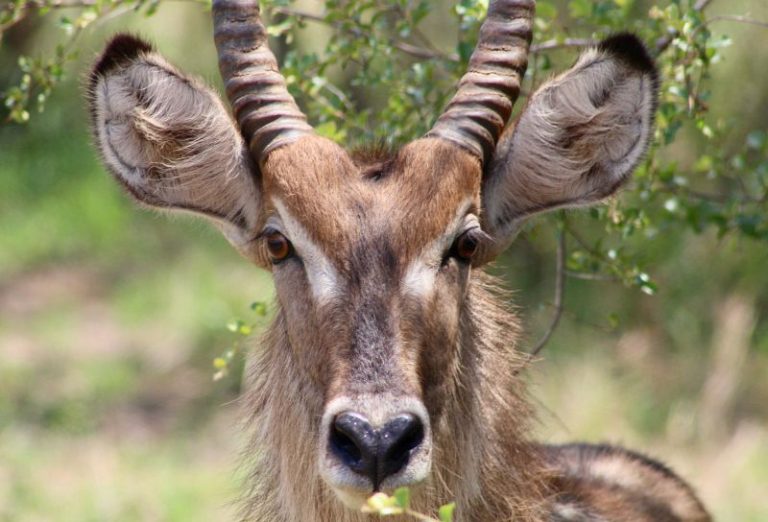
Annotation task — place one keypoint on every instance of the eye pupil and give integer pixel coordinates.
(466, 246)
(278, 246)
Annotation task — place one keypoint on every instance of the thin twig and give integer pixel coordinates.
(591, 277)
(736, 18)
(701, 5)
(559, 289)
(407, 48)
(744, 198)
(665, 41)
(553, 44)
(583, 244)
(303, 15)
(421, 52)
(37, 5)
(420, 36)
(58, 4)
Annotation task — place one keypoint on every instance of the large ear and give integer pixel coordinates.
(170, 142)
(577, 141)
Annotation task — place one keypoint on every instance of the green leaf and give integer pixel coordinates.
(465, 51)
(382, 504)
(276, 30)
(646, 285)
(259, 308)
(756, 139)
(703, 164)
(671, 205)
(749, 224)
(234, 326)
(546, 10)
(614, 320)
(445, 513)
(402, 497)
(580, 8)
(245, 329)
(331, 131)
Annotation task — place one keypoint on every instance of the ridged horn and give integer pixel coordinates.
(477, 114)
(266, 113)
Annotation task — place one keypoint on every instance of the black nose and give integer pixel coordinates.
(375, 453)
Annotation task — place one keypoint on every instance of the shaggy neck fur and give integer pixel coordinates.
(481, 460)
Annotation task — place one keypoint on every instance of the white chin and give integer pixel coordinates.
(351, 499)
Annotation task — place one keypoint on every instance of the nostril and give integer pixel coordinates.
(411, 438)
(375, 453)
(397, 440)
(345, 445)
(354, 441)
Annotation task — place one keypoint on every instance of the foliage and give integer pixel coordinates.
(382, 71)
(399, 504)
(223, 364)
(379, 77)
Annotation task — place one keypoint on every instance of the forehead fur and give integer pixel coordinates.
(408, 202)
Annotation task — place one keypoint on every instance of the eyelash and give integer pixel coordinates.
(271, 238)
(475, 234)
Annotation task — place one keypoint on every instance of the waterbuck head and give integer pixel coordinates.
(375, 343)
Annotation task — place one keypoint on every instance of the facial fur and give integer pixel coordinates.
(390, 361)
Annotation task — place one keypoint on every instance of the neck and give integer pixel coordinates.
(480, 457)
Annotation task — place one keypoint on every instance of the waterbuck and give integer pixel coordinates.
(390, 361)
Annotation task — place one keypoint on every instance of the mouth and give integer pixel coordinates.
(367, 502)
(353, 487)
(353, 499)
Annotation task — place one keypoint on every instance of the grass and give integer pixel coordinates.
(601, 405)
(126, 477)
(109, 320)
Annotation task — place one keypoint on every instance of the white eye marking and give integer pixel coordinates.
(321, 274)
(420, 276)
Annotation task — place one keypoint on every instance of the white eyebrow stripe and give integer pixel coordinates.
(420, 276)
(324, 280)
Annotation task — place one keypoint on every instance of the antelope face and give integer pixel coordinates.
(372, 262)
(371, 277)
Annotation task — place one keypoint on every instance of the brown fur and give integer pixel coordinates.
(596, 482)
(374, 306)
(482, 459)
(322, 185)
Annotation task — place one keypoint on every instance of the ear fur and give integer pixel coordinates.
(169, 141)
(577, 141)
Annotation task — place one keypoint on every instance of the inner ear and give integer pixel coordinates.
(169, 140)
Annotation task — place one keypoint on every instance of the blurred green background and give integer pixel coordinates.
(110, 318)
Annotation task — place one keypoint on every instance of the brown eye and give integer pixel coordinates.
(278, 246)
(466, 245)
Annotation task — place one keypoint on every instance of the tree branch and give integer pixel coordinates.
(559, 288)
(553, 44)
(736, 18)
(665, 41)
(303, 15)
(586, 276)
(407, 48)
